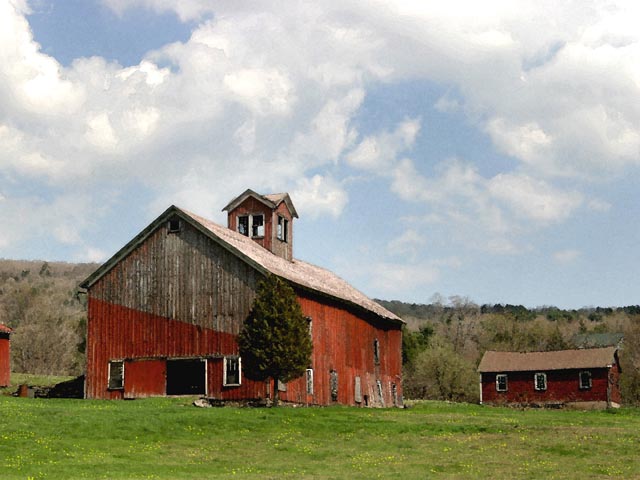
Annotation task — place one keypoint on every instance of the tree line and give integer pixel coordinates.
(444, 341)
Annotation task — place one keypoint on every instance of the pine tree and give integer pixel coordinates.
(275, 342)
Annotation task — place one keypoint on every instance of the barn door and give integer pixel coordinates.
(186, 377)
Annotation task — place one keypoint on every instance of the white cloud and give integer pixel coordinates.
(566, 256)
(379, 152)
(534, 199)
(319, 195)
(409, 243)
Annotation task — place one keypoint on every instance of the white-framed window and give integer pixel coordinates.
(251, 225)
(585, 379)
(282, 229)
(333, 385)
(115, 375)
(540, 381)
(232, 372)
(380, 393)
(358, 390)
(310, 381)
(376, 351)
(501, 382)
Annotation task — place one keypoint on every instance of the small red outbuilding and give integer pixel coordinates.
(5, 356)
(587, 377)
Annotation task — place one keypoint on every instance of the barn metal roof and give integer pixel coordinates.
(272, 200)
(303, 274)
(5, 329)
(558, 360)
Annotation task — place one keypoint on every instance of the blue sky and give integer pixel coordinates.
(490, 151)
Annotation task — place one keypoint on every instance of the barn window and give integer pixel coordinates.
(251, 224)
(116, 375)
(380, 394)
(376, 352)
(243, 225)
(585, 380)
(232, 370)
(282, 229)
(358, 391)
(501, 382)
(333, 385)
(310, 324)
(174, 225)
(282, 386)
(310, 381)
(540, 381)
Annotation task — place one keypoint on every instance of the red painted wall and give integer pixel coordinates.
(5, 360)
(343, 341)
(562, 386)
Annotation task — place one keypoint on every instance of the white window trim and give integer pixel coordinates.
(250, 224)
(535, 381)
(585, 387)
(282, 227)
(309, 379)
(224, 372)
(109, 387)
(506, 382)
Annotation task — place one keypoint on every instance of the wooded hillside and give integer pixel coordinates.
(38, 300)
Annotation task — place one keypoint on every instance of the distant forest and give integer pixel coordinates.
(442, 343)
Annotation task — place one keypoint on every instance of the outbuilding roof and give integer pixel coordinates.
(558, 360)
(303, 274)
(5, 329)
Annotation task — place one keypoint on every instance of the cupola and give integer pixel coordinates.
(266, 219)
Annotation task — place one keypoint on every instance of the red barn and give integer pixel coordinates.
(164, 313)
(588, 377)
(5, 356)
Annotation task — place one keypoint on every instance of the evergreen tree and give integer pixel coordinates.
(275, 342)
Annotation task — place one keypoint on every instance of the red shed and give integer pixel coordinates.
(164, 313)
(5, 356)
(587, 377)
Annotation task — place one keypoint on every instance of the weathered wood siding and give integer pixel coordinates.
(343, 342)
(5, 360)
(183, 276)
(562, 386)
(181, 295)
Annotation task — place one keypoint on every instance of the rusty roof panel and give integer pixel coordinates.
(558, 360)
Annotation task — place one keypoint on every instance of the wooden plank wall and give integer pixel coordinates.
(184, 276)
(562, 386)
(5, 360)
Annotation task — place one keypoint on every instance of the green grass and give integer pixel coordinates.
(169, 439)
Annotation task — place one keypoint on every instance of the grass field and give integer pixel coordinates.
(170, 439)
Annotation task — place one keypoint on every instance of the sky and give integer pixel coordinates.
(488, 150)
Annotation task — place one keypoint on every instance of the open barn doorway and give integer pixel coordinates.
(186, 377)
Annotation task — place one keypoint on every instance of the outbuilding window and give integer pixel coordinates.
(501, 382)
(116, 375)
(540, 381)
(232, 371)
(585, 380)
